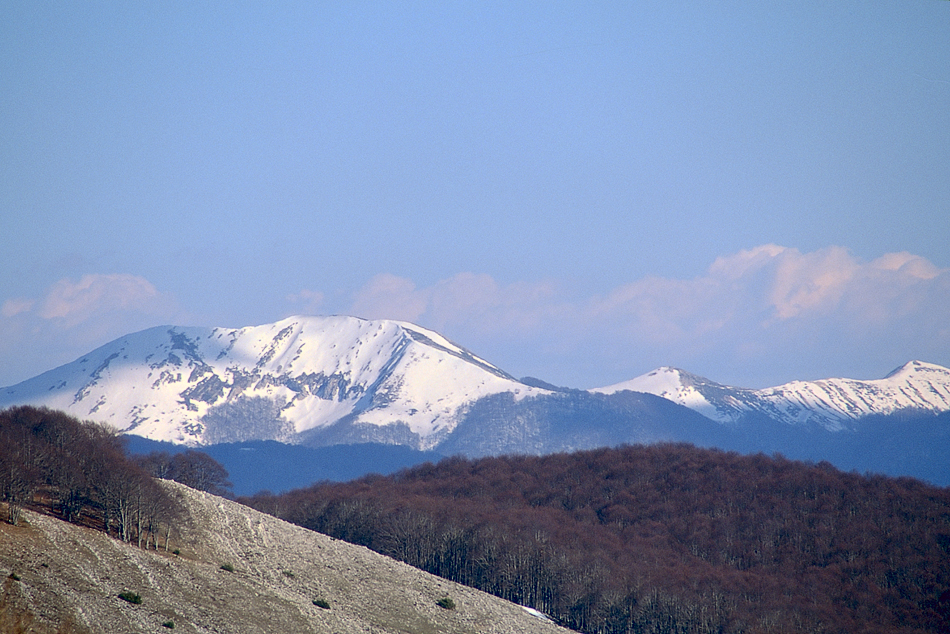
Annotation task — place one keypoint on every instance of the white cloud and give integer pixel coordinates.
(13, 307)
(390, 297)
(811, 282)
(475, 301)
(76, 302)
(767, 307)
(755, 318)
(766, 287)
(738, 264)
(75, 316)
(912, 266)
(306, 301)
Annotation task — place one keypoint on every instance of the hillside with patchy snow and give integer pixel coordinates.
(361, 380)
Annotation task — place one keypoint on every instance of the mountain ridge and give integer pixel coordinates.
(834, 404)
(190, 385)
(326, 381)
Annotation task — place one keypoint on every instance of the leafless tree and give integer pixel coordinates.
(200, 471)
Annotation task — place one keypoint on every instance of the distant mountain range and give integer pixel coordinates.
(834, 404)
(317, 382)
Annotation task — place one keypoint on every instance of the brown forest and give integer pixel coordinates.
(79, 471)
(664, 538)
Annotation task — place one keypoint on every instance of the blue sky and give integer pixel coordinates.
(751, 191)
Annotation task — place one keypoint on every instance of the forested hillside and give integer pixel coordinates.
(665, 538)
(79, 471)
(230, 568)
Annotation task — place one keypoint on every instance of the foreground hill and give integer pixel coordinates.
(665, 538)
(59, 577)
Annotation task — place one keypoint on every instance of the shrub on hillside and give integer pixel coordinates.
(131, 597)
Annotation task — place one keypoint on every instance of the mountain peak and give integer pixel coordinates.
(917, 367)
(672, 384)
(385, 380)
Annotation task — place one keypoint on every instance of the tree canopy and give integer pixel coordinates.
(664, 538)
(79, 472)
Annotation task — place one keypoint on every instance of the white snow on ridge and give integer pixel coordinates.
(671, 384)
(915, 385)
(344, 379)
(831, 403)
(164, 382)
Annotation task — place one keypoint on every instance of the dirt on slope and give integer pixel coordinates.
(237, 570)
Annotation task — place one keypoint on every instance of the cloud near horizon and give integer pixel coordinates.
(754, 318)
(72, 303)
(475, 301)
(77, 302)
(74, 316)
(750, 307)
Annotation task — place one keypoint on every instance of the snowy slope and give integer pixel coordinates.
(204, 385)
(831, 403)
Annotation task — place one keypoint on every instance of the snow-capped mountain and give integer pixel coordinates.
(354, 379)
(834, 404)
(316, 382)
